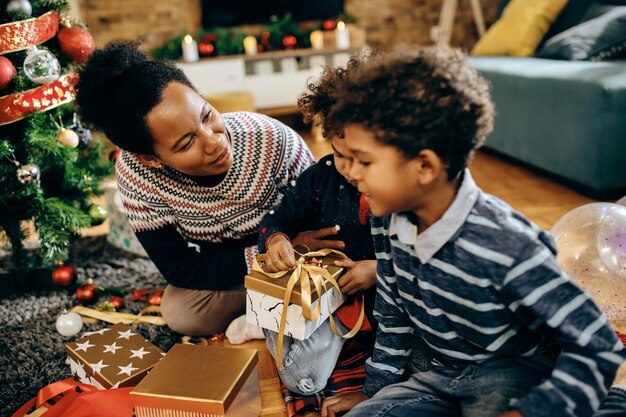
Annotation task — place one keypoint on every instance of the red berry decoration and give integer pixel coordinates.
(7, 72)
(87, 293)
(154, 299)
(118, 302)
(289, 41)
(76, 43)
(329, 24)
(64, 275)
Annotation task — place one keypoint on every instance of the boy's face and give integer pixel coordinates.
(389, 181)
(343, 158)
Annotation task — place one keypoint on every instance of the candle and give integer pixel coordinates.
(317, 39)
(190, 49)
(249, 45)
(342, 36)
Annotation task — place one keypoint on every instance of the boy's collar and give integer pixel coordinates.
(429, 242)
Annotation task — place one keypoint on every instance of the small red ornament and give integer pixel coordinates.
(329, 24)
(76, 43)
(64, 275)
(289, 41)
(87, 293)
(154, 299)
(7, 72)
(206, 49)
(118, 302)
(139, 295)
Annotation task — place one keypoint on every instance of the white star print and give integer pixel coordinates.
(128, 369)
(97, 367)
(111, 348)
(125, 335)
(138, 353)
(83, 346)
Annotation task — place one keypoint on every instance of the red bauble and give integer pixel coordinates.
(289, 41)
(154, 299)
(76, 43)
(329, 24)
(206, 49)
(64, 275)
(87, 293)
(7, 72)
(118, 302)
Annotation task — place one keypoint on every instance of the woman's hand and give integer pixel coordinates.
(341, 403)
(314, 239)
(279, 255)
(360, 276)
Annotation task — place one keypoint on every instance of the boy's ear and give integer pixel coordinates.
(429, 167)
(150, 160)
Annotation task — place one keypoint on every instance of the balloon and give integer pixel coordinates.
(588, 239)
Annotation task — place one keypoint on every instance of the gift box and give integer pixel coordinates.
(200, 381)
(112, 357)
(265, 295)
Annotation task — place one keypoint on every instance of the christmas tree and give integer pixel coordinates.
(50, 164)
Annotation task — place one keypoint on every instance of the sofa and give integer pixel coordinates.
(565, 115)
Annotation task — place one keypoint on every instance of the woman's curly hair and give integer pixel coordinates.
(118, 87)
(414, 98)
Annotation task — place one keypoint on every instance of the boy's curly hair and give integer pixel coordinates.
(118, 87)
(413, 98)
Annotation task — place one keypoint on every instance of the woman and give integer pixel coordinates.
(195, 183)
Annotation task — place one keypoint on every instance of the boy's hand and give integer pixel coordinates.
(341, 403)
(314, 239)
(279, 255)
(361, 276)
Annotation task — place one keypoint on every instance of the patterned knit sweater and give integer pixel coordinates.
(218, 216)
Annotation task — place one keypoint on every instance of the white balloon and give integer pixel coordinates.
(69, 324)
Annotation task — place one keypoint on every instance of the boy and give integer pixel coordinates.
(508, 333)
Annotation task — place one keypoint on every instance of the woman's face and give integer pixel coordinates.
(189, 134)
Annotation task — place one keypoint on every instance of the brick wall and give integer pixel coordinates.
(387, 22)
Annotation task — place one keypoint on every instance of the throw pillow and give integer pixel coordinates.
(596, 39)
(521, 28)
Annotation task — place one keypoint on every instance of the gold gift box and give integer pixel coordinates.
(113, 357)
(276, 287)
(207, 380)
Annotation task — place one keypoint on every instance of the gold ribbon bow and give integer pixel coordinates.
(306, 273)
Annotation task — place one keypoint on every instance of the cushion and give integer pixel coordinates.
(596, 39)
(521, 28)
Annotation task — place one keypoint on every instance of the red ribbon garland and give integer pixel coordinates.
(77, 398)
(16, 36)
(19, 105)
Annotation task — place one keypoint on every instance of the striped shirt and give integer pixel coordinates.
(483, 282)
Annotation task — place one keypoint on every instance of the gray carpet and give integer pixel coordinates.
(32, 353)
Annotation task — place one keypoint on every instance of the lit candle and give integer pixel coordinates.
(342, 36)
(317, 39)
(190, 49)
(249, 45)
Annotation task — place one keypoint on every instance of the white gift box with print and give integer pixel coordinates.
(264, 302)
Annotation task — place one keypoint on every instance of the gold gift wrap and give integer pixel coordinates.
(207, 380)
(276, 287)
(112, 357)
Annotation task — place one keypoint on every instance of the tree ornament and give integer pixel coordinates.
(105, 306)
(117, 302)
(69, 323)
(23, 6)
(27, 174)
(154, 299)
(7, 72)
(98, 214)
(68, 138)
(41, 66)
(64, 275)
(289, 41)
(87, 293)
(139, 295)
(84, 136)
(77, 43)
(329, 24)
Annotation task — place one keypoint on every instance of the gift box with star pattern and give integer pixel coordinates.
(112, 357)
